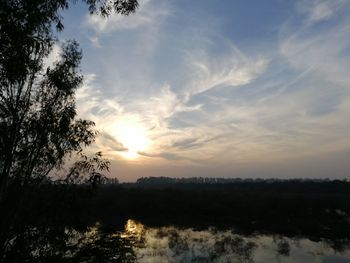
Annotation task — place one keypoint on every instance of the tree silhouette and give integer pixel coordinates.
(38, 124)
(39, 128)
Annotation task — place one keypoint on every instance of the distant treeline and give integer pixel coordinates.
(297, 207)
(220, 180)
(316, 209)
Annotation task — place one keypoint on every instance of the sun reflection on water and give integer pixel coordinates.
(173, 244)
(133, 230)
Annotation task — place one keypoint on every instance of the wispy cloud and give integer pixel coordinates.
(163, 105)
(232, 69)
(203, 102)
(149, 12)
(164, 155)
(111, 143)
(53, 57)
(319, 10)
(95, 41)
(323, 52)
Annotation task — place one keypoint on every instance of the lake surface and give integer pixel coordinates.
(136, 242)
(173, 244)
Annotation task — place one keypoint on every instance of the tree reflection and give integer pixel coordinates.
(339, 245)
(97, 245)
(174, 244)
(68, 245)
(139, 243)
(235, 245)
(171, 244)
(283, 246)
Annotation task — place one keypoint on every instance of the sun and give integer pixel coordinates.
(133, 136)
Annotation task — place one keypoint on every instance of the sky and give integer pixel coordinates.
(218, 88)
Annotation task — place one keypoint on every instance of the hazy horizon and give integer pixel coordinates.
(219, 89)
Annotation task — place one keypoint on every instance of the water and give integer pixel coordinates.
(138, 243)
(172, 244)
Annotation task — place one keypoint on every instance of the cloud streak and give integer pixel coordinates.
(149, 12)
(232, 69)
(319, 10)
(221, 104)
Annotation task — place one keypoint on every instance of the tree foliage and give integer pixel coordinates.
(38, 122)
(39, 127)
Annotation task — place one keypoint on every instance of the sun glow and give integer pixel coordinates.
(133, 136)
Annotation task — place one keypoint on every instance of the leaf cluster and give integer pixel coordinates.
(38, 122)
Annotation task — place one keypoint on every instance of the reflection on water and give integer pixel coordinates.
(172, 244)
(142, 244)
(133, 231)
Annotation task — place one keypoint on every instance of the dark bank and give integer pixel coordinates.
(317, 210)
